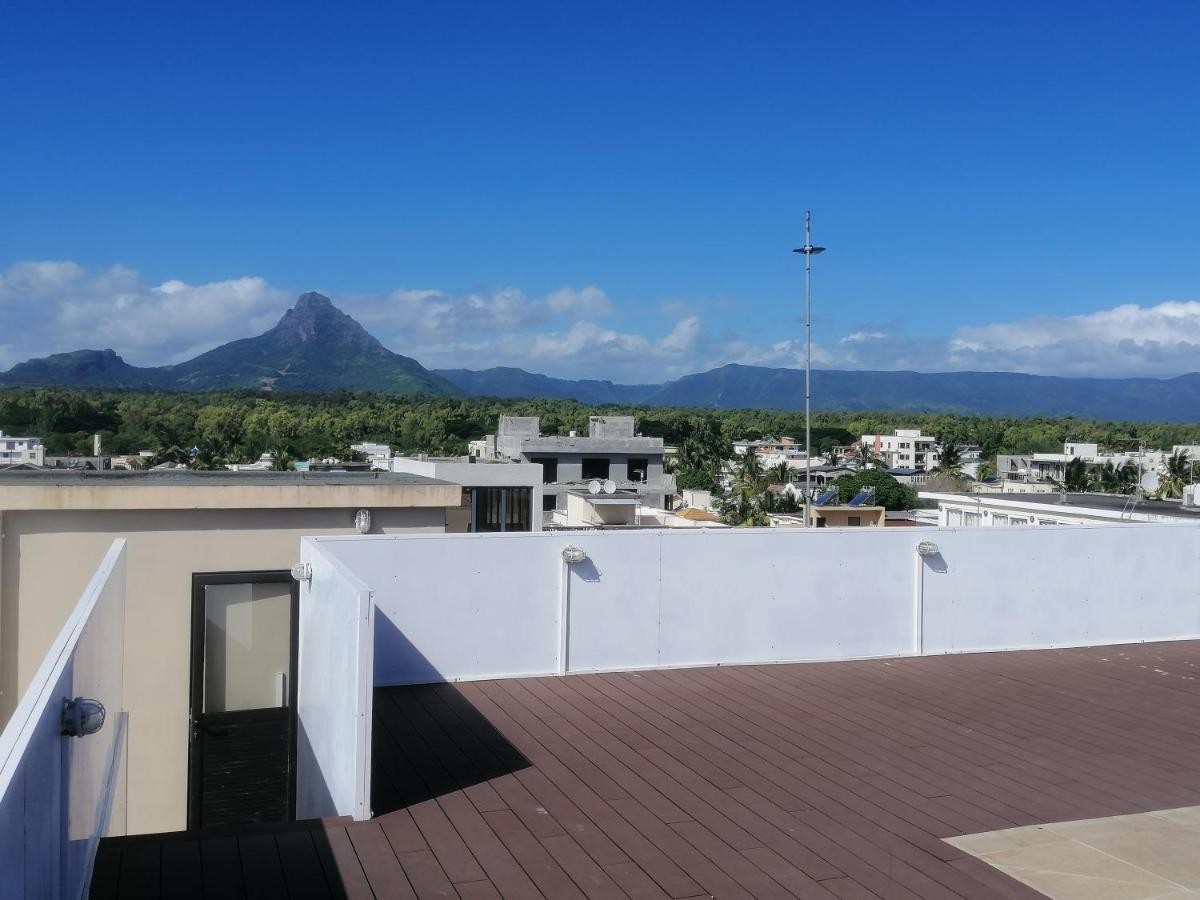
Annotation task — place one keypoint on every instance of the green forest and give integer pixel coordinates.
(239, 425)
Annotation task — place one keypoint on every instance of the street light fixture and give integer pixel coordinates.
(809, 252)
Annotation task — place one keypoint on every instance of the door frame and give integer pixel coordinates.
(196, 677)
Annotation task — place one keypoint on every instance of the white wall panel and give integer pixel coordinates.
(758, 595)
(59, 795)
(334, 690)
(1053, 586)
(480, 606)
(614, 602)
(460, 606)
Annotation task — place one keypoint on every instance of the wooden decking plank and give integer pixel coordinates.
(587, 875)
(551, 879)
(262, 870)
(302, 869)
(635, 881)
(379, 863)
(343, 872)
(181, 870)
(106, 872)
(456, 859)
(426, 875)
(502, 868)
(141, 871)
(402, 832)
(221, 868)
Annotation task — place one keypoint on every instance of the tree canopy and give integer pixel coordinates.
(241, 425)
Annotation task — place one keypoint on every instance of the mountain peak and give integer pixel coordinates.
(315, 318)
(311, 300)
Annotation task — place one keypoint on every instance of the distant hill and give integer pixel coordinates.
(978, 393)
(85, 368)
(508, 382)
(317, 348)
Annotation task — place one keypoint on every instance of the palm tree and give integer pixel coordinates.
(1178, 474)
(1104, 479)
(868, 458)
(1127, 477)
(1076, 478)
(748, 472)
(780, 473)
(282, 460)
(949, 459)
(207, 460)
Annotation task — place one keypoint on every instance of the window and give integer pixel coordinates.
(516, 510)
(638, 467)
(595, 468)
(820, 522)
(549, 503)
(501, 509)
(549, 469)
(854, 521)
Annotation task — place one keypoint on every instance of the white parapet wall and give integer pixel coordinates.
(452, 607)
(59, 795)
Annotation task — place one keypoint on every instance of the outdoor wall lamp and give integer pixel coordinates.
(302, 572)
(927, 548)
(573, 554)
(82, 716)
(362, 521)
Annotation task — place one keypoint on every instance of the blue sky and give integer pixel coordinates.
(607, 190)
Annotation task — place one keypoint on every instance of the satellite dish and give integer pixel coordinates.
(1150, 482)
(610, 486)
(593, 486)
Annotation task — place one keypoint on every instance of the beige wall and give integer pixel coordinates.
(47, 558)
(839, 516)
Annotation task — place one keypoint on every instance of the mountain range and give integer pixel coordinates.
(317, 348)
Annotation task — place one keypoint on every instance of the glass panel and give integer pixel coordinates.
(247, 646)
(487, 509)
(517, 509)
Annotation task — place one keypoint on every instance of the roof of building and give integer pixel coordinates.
(841, 779)
(698, 515)
(161, 489)
(193, 478)
(1084, 501)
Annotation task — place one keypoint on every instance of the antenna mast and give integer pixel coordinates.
(809, 252)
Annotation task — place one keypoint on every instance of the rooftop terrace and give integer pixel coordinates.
(823, 780)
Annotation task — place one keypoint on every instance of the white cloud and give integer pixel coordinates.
(56, 306)
(53, 306)
(1160, 340)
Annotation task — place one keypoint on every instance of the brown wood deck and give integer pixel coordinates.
(823, 780)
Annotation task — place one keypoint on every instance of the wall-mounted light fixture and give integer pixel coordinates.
(82, 716)
(927, 548)
(362, 521)
(302, 572)
(573, 554)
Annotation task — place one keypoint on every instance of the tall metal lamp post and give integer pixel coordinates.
(809, 252)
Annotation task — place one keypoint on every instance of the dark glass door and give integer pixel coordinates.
(243, 699)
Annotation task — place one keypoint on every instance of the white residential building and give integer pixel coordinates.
(1054, 508)
(378, 455)
(21, 450)
(906, 449)
(1030, 468)
(610, 451)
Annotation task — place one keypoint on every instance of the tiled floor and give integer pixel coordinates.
(1135, 857)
